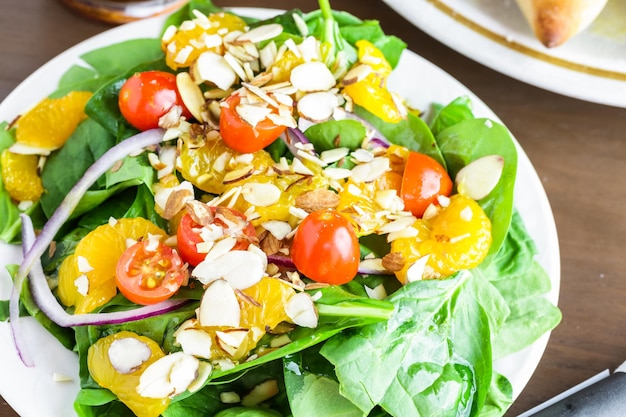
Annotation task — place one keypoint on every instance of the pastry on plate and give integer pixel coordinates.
(556, 21)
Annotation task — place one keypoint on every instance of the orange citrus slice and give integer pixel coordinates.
(87, 278)
(52, 121)
(20, 176)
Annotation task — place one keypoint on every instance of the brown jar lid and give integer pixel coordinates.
(122, 11)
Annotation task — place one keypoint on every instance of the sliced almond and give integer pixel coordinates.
(317, 107)
(267, 55)
(312, 76)
(253, 114)
(195, 342)
(417, 269)
(279, 229)
(168, 376)
(334, 155)
(219, 306)
(127, 354)
(261, 193)
(203, 373)
(377, 293)
(241, 269)
(260, 34)
(238, 174)
(229, 397)
(191, 95)
(301, 310)
(337, 173)
(231, 340)
(478, 178)
(371, 171)
(260, 393)
(213, 68)
(357, 73)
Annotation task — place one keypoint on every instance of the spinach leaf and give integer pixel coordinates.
(455, 112)
(325, 28)
(105, 63)
(247, 412)
(412, 133)
(499, 398)
(309, 377)
(206, 402)
(353, 29)
(67, 165)
(434, 353)
(205, 6)
(523, 283)
(336, 134)
(471, 139)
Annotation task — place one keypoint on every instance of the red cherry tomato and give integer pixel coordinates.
(424, 179)
(325, 248)
(240, 135)
(148, 95)
(189, 232)
(149, 272)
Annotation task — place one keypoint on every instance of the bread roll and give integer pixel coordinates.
(556, 21)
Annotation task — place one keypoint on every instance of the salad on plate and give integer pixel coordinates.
(241, 218)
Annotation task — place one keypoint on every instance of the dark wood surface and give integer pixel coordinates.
(578, 149)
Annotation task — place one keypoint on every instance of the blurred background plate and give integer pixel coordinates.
(590, 66)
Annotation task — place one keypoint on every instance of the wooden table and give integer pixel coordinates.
(578, 149)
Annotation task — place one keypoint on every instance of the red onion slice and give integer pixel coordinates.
(49, 305)
(32, 253)
(129, 146)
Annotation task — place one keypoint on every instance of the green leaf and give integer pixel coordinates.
(455, 112)
(336, 134)
(247, 412)
(306, 384)
(412, 133)
(414, 364)
(67, 165)
(105, 63)
(499, 398)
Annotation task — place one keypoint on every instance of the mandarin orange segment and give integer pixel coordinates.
(95, 260)
(124, 385)
(457, 238)
(52, 121)
(196, 36)
(20, 176)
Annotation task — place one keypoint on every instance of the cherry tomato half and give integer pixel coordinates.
(325, 248)
(189, 232)
(149, 272)
(240, 135)
(148, 95)
(424, 180)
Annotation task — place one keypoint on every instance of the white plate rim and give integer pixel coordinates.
(55, 398)
(520, 56)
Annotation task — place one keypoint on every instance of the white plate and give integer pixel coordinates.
(590, 66)
(20, 385)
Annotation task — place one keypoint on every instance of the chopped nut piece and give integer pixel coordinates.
(394, 261)
(199, 212)
(269, 244)
(317, 200)
(176, 202)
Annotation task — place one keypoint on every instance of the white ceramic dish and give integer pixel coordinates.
(20, 385)
(591, 66)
